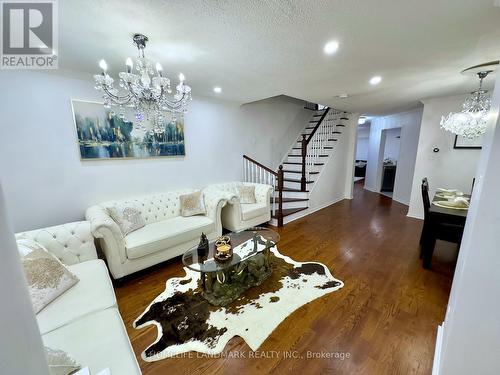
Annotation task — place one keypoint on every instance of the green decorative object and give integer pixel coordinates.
(223, 282)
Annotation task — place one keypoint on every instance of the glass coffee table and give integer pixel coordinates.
(224, 281)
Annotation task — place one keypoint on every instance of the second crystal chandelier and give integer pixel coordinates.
(472, 121)
(147, 91)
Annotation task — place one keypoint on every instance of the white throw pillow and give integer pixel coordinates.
(47, 277)
(60, 363)
(127, 217)
(247, 194)
(192, 204)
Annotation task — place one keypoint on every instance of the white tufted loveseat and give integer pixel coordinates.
(84, 321)
(166, 235)
(237, 216)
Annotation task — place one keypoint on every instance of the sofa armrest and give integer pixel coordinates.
(71, 243)
(262, 192)
(105, 228)
(215, 200)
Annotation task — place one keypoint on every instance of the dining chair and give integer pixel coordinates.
(424, 187)
(436, 227)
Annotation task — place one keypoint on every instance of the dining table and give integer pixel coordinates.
(450, 215)
(441, 223)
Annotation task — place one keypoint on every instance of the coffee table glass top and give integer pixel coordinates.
(245, 244)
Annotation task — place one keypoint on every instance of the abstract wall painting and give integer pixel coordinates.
(103, 134)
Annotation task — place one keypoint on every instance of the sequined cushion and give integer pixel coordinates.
(60, 363)
(128, 218)
(47, 277)
(247, 194)
(192, 204)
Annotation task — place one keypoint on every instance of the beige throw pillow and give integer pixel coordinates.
(192, 204)
(47, 277)
(247, 194)
(127, 217)
(60, 363)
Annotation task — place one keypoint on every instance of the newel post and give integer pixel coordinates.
(280, 196)
(304, 154)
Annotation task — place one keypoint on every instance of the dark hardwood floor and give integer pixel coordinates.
(385, 317)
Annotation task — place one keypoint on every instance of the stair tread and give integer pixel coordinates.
(295, 190)
(287, 200)
(296, 180)
(298, 172)
(295, 163)
(333, 140)
(344, 118)
(320, 133)
(291, 211)
(328, 148)
(340, 125)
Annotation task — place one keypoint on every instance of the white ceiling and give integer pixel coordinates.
(259, 49)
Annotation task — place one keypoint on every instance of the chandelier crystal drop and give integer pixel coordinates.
(472, 121)
(146, 91)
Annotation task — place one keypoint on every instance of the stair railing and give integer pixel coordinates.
(314, 145)
(309, 151)
(253, 171)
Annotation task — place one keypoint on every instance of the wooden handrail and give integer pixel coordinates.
(260, 165)
(317, 125)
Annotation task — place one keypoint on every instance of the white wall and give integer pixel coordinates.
(448, 168)
(362, 143)
(335, 181)
(21, 349)
(409, 122)
(46, 183)
(471, 330)
(392, 143)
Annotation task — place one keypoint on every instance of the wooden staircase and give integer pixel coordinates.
(301, 166)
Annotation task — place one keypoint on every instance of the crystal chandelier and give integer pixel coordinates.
(471, 122)
(147, 92)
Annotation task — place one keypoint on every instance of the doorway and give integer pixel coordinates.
(362, 145)
(390, 147)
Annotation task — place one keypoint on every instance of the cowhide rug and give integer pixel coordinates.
(187, 322)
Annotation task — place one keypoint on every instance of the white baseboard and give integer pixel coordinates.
(437, 351)
(400, 201)
(414, 216)
(370, 189)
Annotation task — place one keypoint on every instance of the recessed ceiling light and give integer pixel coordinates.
(361, 120)
(331, 47)
(217, 90)
(375, 80)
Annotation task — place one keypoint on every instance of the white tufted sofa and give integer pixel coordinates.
(237, 216)
(84, 321)
(165, 236)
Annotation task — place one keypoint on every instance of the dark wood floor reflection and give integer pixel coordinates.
(385, 318)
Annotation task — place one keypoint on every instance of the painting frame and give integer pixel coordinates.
(462, 143)
(179, 150)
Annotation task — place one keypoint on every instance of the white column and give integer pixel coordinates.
(471, 330)
(21, 349)
(349, 136)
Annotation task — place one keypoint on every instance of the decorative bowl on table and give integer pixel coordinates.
(223, 249)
